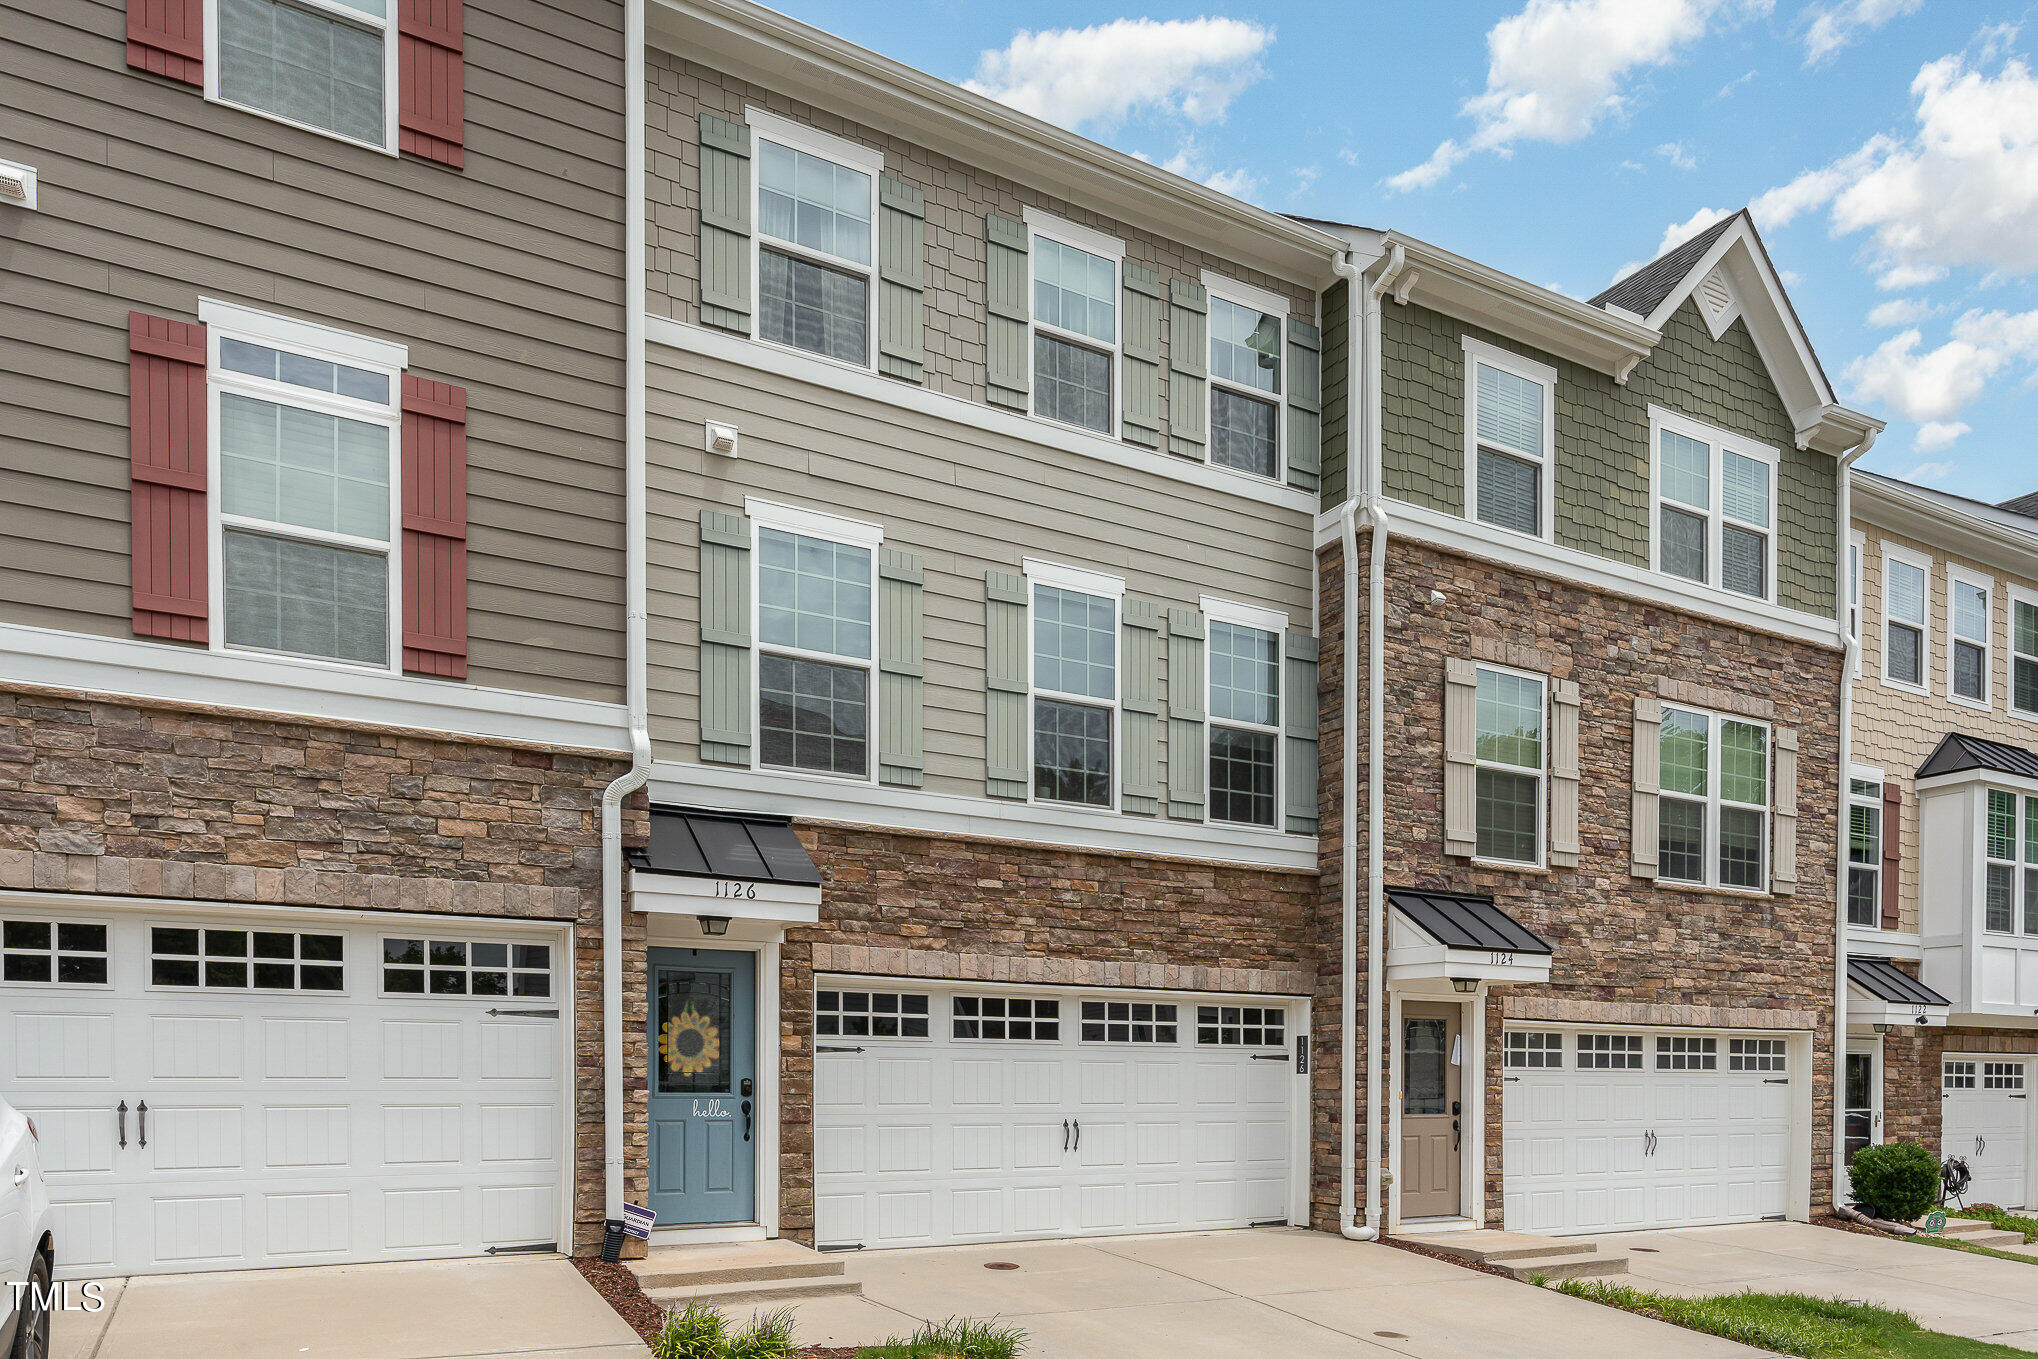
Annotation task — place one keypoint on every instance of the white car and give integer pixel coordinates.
(27, 1243)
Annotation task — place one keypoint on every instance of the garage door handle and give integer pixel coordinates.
(1064, 1135)
(1079, 1134)
(122, 1112)
(142, 1112)
(827, 1048)
(528, 1014)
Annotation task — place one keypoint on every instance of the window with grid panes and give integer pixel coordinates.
(1245, 722)
(1016, 1018)
(1864, 853)
(840, 1013)
(1713, 810)
(1245, 387)
(1075, 334)
(1075, 695)
(814, 253)
(814, 623)
(1128, 1021)
(1508, 753)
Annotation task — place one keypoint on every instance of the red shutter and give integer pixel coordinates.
(1892, 851)
(166, 460)
(434, 528)
(431, 76)
(167, 37)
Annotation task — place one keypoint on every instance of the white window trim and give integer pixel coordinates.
(2017, 595)
(1857, 546)
(391, 94)
(1039, 224)
(2016, 863)
(1079, 581)
(1715, 799)
(1529, 370)
(1264, 620)
(766, 126)
(225, 321)
(1542, 773)
(1894, 552)
(1960, 575)
(1721, 442)
(769, 514)
(1872, 775)
(1258, 299)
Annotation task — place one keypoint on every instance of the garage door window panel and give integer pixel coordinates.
(1250, 1026)
(466, 967)
(1756, 1054)
(1006, 1018)
(1128, 1021)
(1533, 1050)
(241, 960)
(870, 1014)
(1681, 1052)
(62, 952)
(1609, 1052)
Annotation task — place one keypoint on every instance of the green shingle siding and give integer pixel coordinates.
(1336, 390)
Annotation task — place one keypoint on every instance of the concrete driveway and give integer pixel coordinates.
(1269, 1291)
(529, 1307)
(1970, 1295)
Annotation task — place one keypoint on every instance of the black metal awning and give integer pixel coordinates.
(744, 846)
(1884, 980)
(1959, 752)
(1460, 920)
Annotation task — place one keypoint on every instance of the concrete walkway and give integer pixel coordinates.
(527, 1307)
(1264, 1292)
(1961, 1294)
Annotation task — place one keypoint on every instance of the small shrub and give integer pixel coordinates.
(692, 1332)
(956, 1338)
(2002, 1218)
(768, 1336)
(1896, 1180)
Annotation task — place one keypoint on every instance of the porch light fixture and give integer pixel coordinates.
(1465, 985)
(714, 924)
(1883, 1029)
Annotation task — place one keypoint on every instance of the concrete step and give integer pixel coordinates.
(1491, 1247)
(746, 1262)
(1993, 1237)
(1566, 1266)
(756, 1291)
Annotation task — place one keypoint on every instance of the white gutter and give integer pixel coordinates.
(637, 701)
(1851, 650)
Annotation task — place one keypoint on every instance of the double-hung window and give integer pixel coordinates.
(1510, 431)
(1245, 713)
(816, 239)
(1075, 685)
(1246, 339)
(1075, 323)
(1713, 814)
(305, 526)
(2023, 653)
(1509, 754)
(1906, 606)
(1715, 506)
(816, 590)
(1864, 851)
(329, 65)
(2011, 900)
(1970, 651)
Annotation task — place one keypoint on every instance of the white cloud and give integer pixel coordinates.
(1843, 24)
(1184, 68)
(1930, 471)
(1898, 277)
(1559, 67)
(1899, 311)
(1348, 156)
(1934, 435)
(1934, 386)
(1727, 90)
(1677, 233)
(1189, 163)
(1305, 179)
(1675, 153)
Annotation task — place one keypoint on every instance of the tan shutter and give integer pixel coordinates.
(1648, 782)
(1783, 805)
(1461, 708)
(1564, 779)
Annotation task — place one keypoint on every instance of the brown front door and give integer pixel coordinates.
(1431, 1109)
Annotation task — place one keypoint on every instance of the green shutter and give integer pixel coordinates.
(725, 224)
(1005, 283)
(1006, 767)
(1142, 366)
(900, 665)
(1188, 368)
(1305, 404)
(1187, 776)
(1300, 702)
(902, 276)
(725, 638)
(1140, 702)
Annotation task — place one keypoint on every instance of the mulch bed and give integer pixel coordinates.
(619, 1288)
(1841, 1224)
(1416, 1248)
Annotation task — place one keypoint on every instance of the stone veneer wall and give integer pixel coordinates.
(1911, 1077)
(914, 904)
(122, 799)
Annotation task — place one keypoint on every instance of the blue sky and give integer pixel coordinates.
(1889, 147)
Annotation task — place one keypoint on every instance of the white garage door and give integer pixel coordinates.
(980, 1115)
(249, 1090)
(1608, 1131)
(1987, 1122)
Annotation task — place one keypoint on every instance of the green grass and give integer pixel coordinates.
(697, 1331)
(957, 1338)
(1793, 1323)
(1954, 1243)
(2007, 1221)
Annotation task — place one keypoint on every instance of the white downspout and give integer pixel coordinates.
(636, 680)
(1850, 653)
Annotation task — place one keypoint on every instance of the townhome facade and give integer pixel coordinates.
(1944, 705)
(312, 644)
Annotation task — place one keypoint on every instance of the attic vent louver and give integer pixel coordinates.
(1717, 300)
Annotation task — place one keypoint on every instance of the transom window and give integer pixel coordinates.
(816, 206)
(2011, 891)
(1715, 514)
(1128, 1021)
(1075, 324)
(1508, 752)
(1509, 426)
(1713, 813)
(1970, 648)
(1075, 695)
(1684, 1052)
(1533, 1049)
(2002, 1075)
(307, 448)
(1245, 722)
(1958, 1075)
(814, 651)
(322, 64)
(2023, 654)
(1241, 1026)
(1020, 1018)
(259, 960)
(870, 1014)
(72, 953)
(466, 967)
(1905, 600)
(1245, 385)
(1755, 1054)
(1609, 1052)
(1864, 853)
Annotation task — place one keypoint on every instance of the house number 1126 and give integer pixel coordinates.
(746, 891)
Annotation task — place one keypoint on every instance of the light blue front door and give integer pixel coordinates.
(703, 1015)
